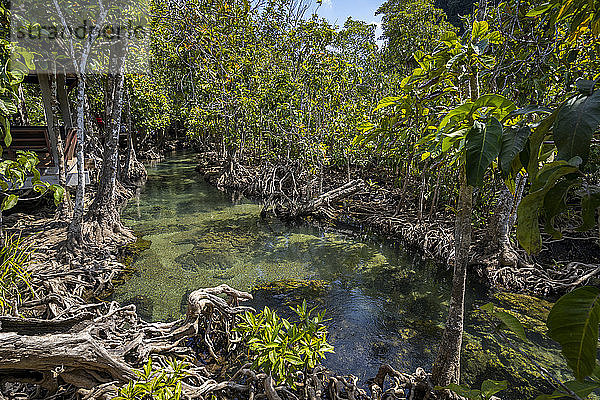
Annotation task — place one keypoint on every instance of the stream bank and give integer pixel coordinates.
(387, 304)
(394, 213)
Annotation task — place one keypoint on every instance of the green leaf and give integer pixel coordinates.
(36, 175)
(573, 323)
(575, 125)
(293, 359)
(585, 86)
(555, 204)
(500, 106)
(528, 230)
(28, 57)
(535, 142)
(513, 142)
(9, 202)
(459, 112)
(387, 102)
(449, 140)
(532, 109)
(471, 394)
(581, 389)
(458, 57)
(539, 10)
(495, 37)
(512, 323)
(549, 169)
(590, 202)
(7, 107)
(7, 135)
(490, 388)
(483, 145)
(487, 61)
(480, 28)
(449, 38)
(508, 320)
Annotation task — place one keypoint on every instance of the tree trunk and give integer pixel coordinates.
(2, 241)
(65, 208)
(75, 232)
(506, 214)
(134, 172)
(436, 194)
(422, 191)
(404, 184)
(48, 88)
(446, 368)
(22, 106)
(520, 185)
(130, 155)
(45, 87)
(104, 214)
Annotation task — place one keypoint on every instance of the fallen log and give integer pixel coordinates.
(73, 358)
(322, 203)
(97, 349)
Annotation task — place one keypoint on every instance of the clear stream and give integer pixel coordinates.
(385, 304)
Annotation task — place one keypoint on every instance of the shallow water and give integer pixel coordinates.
(386, 304)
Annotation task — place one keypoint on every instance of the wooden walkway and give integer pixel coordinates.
(36, 139)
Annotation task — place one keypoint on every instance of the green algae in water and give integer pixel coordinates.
(384, 305)
(133, 250)
(485, 354)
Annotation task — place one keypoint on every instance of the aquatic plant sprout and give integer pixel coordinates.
(282, 348)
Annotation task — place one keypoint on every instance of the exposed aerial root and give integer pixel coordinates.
(92, 350)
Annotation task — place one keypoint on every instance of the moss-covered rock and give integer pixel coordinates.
(129, 253)
(487, 356)
(294, 288)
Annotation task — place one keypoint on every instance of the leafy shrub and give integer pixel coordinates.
(282, 348)
(14, 278)
(14, 174)
(155, 385)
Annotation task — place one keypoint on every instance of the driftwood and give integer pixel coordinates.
(99, 345)
(75, 358)
(204, 300)
(322, 203)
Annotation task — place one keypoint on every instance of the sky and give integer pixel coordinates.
(337, 11)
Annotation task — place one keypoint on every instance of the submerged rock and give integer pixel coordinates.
(132, 251)
(487, 356)
(294, 288)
